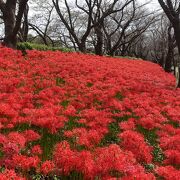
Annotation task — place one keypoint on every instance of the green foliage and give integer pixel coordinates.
(158, 154)
(48, 141)
(116, 174)
(89, 84)
(2, 169)
(149, 167)
(174, 123)
(112, 136)
(152, 138)
(123, 118)
(1, 154)
(119, 96)
(23, 46)
(128, 57)
(73, 123)
(73, 176)
(37, 177)
(150, 135)
(65, 103)
(60, 81)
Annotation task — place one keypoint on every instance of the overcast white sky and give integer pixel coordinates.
(153, 3)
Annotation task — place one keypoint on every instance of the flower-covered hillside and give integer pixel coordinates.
(76, 116)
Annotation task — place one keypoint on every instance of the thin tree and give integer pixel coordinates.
(69, 22)
(172, 10)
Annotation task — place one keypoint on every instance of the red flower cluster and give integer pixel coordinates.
(168, 172)
(84, 137)
(135, 143)
(10, 174)
(99, 117)
(100, 163)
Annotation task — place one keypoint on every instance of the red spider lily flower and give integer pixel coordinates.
(36, 150)
(47, 167)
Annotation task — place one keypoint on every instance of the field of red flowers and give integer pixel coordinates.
(76, 116)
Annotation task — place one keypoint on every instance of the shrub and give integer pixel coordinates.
(41, 47)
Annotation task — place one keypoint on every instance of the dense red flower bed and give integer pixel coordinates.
(87, 117)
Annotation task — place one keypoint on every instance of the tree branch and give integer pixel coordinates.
(166, 10)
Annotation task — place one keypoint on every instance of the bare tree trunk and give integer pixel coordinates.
(99, 43)
(176, 27)
(177, 71)
(161, 60)
(25, 27)
(177, 34)
(108, 44)
(169, 58)
(123, 51)
(170, 53)
(111, 53)
(82, 47)
(9, 22)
